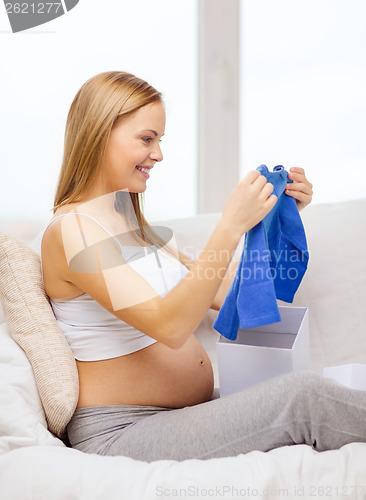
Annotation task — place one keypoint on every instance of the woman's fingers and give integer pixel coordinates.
(297, 169)
(267, 190)
(297, 175)
(271, 202)
(261, 186)
(251, 177)
(300, 189)
(299, 186)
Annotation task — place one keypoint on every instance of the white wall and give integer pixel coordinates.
(41, 70)
(303, 82)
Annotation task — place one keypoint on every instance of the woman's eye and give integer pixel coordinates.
(148, 139)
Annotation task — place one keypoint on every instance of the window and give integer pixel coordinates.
(303, 99)
(42, 69)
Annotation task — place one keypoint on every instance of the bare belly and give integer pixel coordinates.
(156, 375)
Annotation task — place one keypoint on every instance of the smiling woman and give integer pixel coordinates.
(109, 150)
(129, 305)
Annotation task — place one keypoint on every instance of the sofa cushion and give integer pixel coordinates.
(334, 286)
(33, 326)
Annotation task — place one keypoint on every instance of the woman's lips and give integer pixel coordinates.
(144, 173)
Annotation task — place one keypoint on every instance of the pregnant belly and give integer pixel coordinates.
(156, 375)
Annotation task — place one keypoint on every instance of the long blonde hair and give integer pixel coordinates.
(99, 103)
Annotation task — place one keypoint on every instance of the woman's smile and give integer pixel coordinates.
(144, 170)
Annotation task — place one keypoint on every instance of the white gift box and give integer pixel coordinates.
(352, 375)
(264, 352)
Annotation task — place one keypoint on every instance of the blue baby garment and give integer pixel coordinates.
(272, 264)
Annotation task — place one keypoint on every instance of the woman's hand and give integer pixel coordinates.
(300, 189)
(250, 201)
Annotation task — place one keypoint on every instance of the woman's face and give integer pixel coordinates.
(133, 149)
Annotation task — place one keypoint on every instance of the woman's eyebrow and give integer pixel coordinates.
(153, 131)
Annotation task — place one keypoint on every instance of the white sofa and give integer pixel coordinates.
(34, 464)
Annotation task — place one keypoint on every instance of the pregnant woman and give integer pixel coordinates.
(128, 302)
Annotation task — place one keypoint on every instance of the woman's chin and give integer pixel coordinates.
(142, 188)
(138, 189)
(134, 188)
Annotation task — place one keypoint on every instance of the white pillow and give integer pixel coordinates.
(22, 419)
(33, 326)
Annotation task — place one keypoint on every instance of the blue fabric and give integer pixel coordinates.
(272, 264)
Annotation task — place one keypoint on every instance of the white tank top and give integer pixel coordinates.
(93, 333)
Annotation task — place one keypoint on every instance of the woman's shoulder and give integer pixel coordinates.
(53, 227)
(55, 249)
(72, 233)
(61, 229)
(69, 217)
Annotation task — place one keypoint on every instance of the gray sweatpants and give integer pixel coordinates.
(294, 408)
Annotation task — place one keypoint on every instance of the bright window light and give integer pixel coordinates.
(41, 70)
(303, 81)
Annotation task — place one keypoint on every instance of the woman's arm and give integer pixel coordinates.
(225, 283)
(170, 319)
(227, 279)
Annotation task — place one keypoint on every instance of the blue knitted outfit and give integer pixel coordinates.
(272, 265)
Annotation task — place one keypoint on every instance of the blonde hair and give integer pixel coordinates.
(99, 103)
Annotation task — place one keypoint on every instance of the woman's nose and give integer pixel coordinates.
(156, 154)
